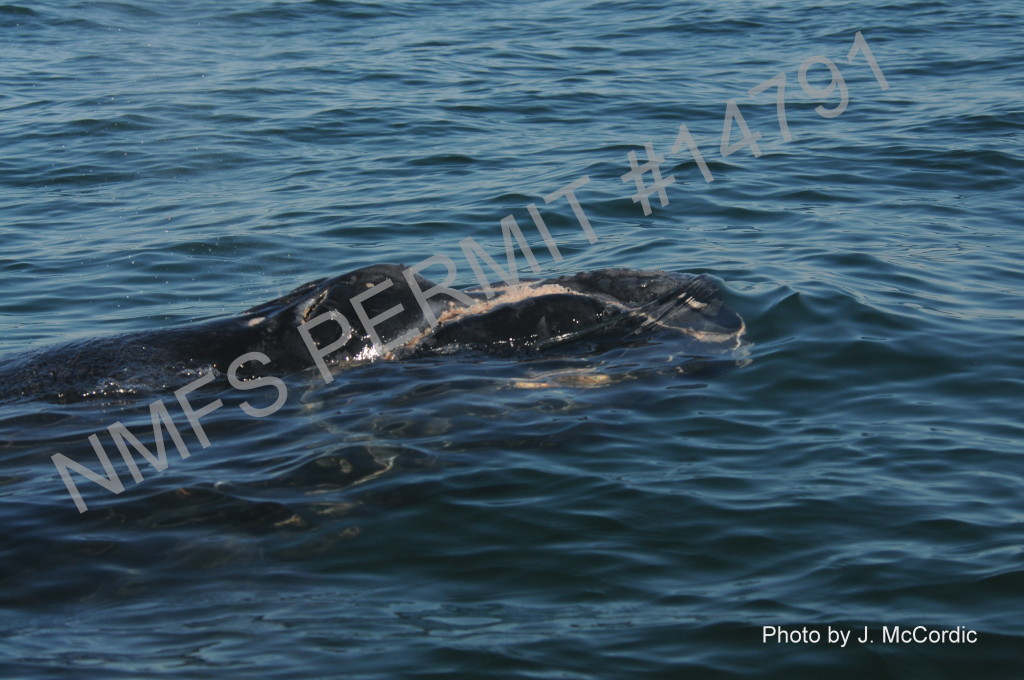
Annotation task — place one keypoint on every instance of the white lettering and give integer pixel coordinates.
(318, 353)
(442, 288)
(509, 230)
(838, 635)
(160, 417)
(370, 324)
(262, 381)
(556, 254)
(191, 414)
(568, 191)
(111, 482)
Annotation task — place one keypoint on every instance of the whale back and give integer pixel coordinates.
(607, 305)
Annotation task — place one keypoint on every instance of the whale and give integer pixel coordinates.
(388, 312)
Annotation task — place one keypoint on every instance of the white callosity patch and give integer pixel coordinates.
(508, 294)
(519, 292)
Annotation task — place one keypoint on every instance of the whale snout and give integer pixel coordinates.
(693, 306)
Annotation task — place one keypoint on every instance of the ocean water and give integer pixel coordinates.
(556, 515)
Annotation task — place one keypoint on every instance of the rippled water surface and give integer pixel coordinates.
(628, 512)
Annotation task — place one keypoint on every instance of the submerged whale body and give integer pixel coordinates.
(392, 314)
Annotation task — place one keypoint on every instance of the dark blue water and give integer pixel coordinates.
(553, 516)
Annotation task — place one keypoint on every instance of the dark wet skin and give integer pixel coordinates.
(608, 304)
